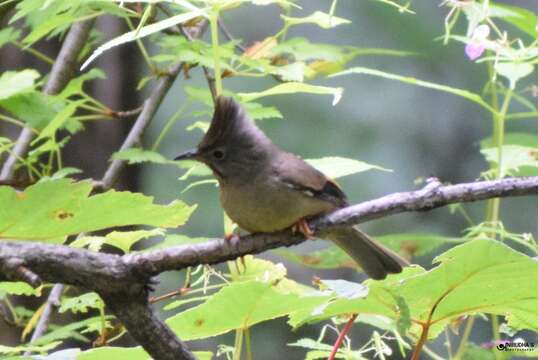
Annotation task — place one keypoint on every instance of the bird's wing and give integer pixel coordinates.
(299, 175)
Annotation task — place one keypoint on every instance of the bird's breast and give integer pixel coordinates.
(267, 205)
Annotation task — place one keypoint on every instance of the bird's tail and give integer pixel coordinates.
(376, 260)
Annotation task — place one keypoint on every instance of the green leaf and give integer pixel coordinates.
(74, 329)
(144, 31)
(59, 121)
(8, 35)
(255, 269)
(323, 20)
(138, 156)
(13, 350)
(237, 306)
(259, 112)
(514, 71)
(335, 167)
(75, 86)
(293, 88)
(18, 288)
(82, 303)
(35, 108)
(518, 16)
(123, 240)
(345, 289)
(51, 210)
(291, 72)
(514, 158)
(134, 353)
(480, 276)
(16, 82)
(411, 80)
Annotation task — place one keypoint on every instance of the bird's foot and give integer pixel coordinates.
(302, 227)
(229, 237)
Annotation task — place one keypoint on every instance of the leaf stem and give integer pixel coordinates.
(421, 342)
(342, 336)
(15, 122)
(238, 346)
(213, 23)
(248, 344)
(171, 121)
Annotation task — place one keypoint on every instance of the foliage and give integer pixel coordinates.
(479, 275)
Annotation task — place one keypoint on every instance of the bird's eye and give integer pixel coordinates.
(218, 154)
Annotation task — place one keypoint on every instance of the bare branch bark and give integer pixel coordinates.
(147, 329)
(62, 71)
(122, 280)
(148, 111)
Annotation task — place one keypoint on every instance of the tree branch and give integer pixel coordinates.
(122, 280)
(146, 115)
(62, 71)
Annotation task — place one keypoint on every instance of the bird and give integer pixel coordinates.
(265, 189)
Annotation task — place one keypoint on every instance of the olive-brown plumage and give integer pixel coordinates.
(265, 189)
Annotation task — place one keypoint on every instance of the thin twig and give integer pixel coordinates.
(228, 35)
(62, 71)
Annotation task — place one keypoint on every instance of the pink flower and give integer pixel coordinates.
(474, 51)
(477, 45)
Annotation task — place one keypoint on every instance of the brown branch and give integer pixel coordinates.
(122, 280)
(62, 71)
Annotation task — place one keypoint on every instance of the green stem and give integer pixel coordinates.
(238, 346)
(333, 7)
(34, 52)
(139, 42)
(464, 338)
(433, 355)
(171, 121)
(213, 23)
(498, 138)
(11, 309)
(15, 122)
(499, 141)
(248, 344)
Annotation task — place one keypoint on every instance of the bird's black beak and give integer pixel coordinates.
(188, 155)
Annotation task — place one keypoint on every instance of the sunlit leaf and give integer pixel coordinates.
(293, 88)
(144, 31)
(480, 276)
(514, 71)
(15, 82)
(134, 353)
(18, 288)
(319, 18)
(335, 167)
(411, 80)
(51, 210)
(82, 303)
(514, 157)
